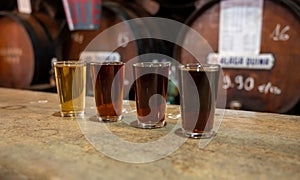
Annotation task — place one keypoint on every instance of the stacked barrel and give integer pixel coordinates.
(27, 44)
(29, 41)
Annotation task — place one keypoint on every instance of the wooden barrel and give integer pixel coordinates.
(275, 89)
(112, 14)
(172, 9)
(53, 8)
(8, 5)
(27, 44)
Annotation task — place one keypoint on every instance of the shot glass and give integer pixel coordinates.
(70, 77)
(198, 86)
(151, 85)
(108, 84)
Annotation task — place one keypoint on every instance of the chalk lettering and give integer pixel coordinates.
(280, 34)
(77, 37)
(11, 55)
(123, 39)
(269, 88)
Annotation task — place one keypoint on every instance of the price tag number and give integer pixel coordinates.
(242, 83)
(269, 88)
(239, 82)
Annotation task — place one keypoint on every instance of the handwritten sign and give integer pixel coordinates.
(83, 14)
(123, 39)
(280, 34)
(249, 84)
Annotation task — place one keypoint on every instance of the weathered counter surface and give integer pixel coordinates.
(37, 144)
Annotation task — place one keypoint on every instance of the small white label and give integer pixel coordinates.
(100, 56)
(24, 6)
(235, 61)
(240, 26)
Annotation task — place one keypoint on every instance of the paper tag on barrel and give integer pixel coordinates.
(83, 14)
(24, 6)
(240, 26)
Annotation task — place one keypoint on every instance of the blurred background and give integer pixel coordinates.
(62, 29)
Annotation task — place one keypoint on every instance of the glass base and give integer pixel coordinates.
(151, 126)
(72, 114)
(110, 118)
(203, 135)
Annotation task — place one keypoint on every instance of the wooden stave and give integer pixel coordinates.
(41, 41)
(122, 12)
(293, 8)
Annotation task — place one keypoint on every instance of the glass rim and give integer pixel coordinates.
(200, 67)
(105, 63)
(68, 62)
(152, 64)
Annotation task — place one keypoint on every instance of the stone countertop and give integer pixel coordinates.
(38, 144)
